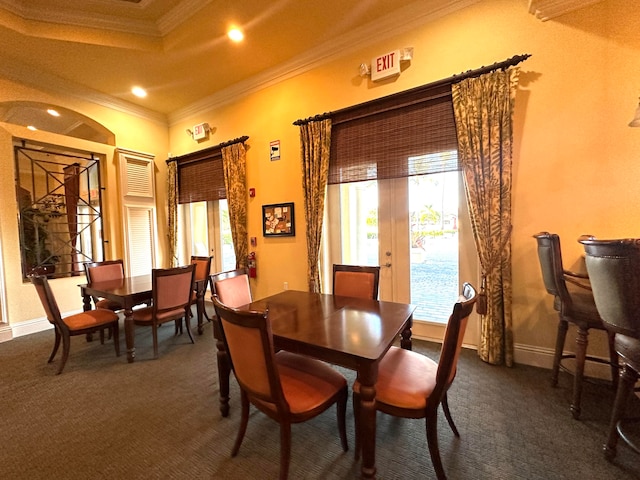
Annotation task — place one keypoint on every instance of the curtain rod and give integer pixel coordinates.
(215, 147)
(510, 62)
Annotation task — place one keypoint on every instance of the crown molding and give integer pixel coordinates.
(549, 9)
(179, 14)
(46, 82)
(153, 28)
(403, 20)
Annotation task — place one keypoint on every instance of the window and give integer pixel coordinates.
(393, 196)
(60, 209)
(204, 213)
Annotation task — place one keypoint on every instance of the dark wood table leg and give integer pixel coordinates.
(86, 306)
(406, 338)
(367, 381)
(224, 370)
(129, 332)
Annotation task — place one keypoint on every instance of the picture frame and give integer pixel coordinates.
(278, 220)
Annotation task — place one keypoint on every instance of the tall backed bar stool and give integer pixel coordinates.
(573, 300)
(614, 269)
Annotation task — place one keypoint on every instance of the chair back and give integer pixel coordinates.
(104, 271)
(48, 300)
(550, 257)
(356, 281)
(454, 333)
(203, 267)
(232, 287)
(172, 288)
(249, 343)
(614, 270)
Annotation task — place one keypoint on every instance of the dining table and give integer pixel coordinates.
(354, 333)
(130, 292)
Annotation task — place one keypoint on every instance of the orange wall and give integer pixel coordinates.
(575, 160)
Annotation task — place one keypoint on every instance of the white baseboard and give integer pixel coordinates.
(5, 332)
(539, 357)
(523, 354)
(31, 326)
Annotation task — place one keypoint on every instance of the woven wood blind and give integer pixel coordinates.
(200, 176)
(409, 133)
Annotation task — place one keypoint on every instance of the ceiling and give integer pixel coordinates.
(178, 49)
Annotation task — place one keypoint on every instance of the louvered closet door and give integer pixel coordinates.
(138, 211)
(140, 240)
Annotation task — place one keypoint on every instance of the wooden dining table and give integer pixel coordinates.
(132, 291)
(351, 332)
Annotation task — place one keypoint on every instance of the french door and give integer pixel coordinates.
(410, 227)
(207, 232)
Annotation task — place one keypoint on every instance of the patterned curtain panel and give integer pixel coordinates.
(315, 144)
(483, 108)
(172, 210)
(234, 164)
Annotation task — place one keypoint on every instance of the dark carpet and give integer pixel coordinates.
(103, 418)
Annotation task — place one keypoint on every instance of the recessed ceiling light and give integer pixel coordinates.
(52, 112)
(32, 128)
(139, 92)
(235, 34)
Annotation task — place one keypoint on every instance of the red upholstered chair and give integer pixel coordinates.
(287, 387)
(203, 269)
(78, 324)
(105, 271)
(232, 287)
(411, 385)
(573, 300)
(171, 293)
(356, 281)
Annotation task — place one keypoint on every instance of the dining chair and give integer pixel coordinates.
(614, 270)
(574, 302)
(104, 271)
(171, 297)
(287, 387)
(78, 324)
(411, 385)
(232, 287)
(356, 281)
(203, 269)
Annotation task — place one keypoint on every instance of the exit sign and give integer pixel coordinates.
(200, 131)
(385, 66)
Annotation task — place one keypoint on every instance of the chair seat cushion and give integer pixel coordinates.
(406, 379)
(307, 383)
(108, 304)
(583, 309)
(145, 315)
(629, 349)
(90, 318)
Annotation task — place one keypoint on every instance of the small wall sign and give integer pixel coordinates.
(200, 131)
(385, 65)
(274, 151)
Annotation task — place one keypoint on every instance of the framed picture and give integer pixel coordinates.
(278, 220)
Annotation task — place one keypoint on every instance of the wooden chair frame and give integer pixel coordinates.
(555, 279)
(93, 321)
(273, 402)
(614, 269)
(445, 374)
(371, 270)
(159, 313)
